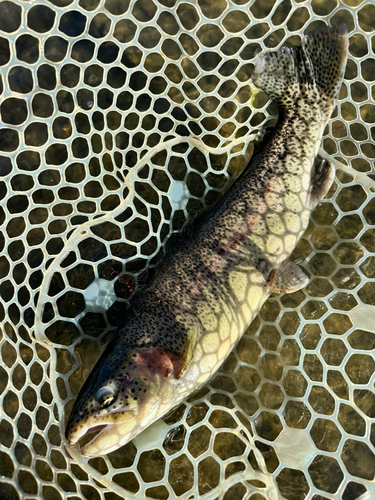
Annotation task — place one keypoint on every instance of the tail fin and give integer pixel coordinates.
(312, 72)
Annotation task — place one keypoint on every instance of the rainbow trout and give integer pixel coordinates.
(181, 327)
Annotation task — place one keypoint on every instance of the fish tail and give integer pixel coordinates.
(309, 74)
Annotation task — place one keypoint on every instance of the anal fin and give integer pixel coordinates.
(322, 175)
(288, 278)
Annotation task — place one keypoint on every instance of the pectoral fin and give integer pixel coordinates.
(322, 175)
(288, 278)
(194, 332)
(191, 329)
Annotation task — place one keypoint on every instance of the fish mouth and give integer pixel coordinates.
(102, 433)
(96, 431)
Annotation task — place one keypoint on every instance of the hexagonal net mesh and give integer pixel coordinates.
(120, 121)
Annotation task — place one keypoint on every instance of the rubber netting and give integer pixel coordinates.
(120, 121)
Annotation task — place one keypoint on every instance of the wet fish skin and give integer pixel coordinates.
(181, 327)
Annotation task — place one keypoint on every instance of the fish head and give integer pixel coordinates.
(122, 395)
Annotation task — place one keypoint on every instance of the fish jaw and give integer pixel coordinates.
(110, 438)
(126, 427)
(108, 425)
(103, 443)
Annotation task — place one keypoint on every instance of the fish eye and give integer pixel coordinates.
(105, 397)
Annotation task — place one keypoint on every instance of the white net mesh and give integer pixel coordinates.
(157, 92)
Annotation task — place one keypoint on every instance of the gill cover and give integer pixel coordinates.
(117, 386)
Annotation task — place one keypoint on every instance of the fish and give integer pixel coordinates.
(179, 329)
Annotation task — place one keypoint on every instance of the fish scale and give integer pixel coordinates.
(182, 326)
